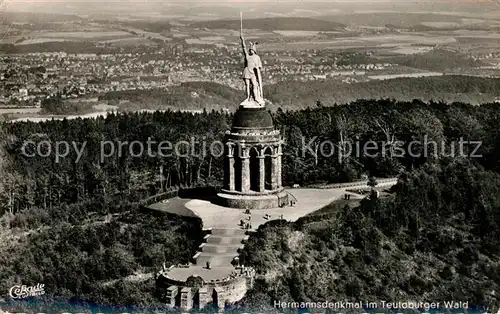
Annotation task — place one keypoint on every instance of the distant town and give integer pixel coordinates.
(27, 79)
(84, 59)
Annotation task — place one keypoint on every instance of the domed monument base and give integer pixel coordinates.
(252, 170)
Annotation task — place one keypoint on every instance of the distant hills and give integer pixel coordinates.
(271, 24)
(8, 18)
(194, 9)
(296, 95)
(449, 88)
(397, 19)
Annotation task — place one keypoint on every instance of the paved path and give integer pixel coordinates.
(308, 201)
(227, 235)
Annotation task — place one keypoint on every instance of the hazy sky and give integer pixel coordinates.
(228, 1)
(80, 6)
(232, 2)
(30, 3)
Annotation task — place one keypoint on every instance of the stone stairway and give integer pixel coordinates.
(221, 247)
(233, 232)
(216, 259)
(218, 240)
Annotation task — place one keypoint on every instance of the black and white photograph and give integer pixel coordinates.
(250, 156)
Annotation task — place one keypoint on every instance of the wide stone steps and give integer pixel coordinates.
(216, 259)
(227, 232)
(224, 240)
(217, 248)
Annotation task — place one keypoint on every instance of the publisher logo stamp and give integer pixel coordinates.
(23, 292)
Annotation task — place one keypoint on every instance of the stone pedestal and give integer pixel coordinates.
(250, 103)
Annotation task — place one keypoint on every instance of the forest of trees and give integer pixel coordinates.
(44, 182)
(437, 60)
(210, 96)
(435, 239)
(448, 88)
(42, 198)
(57, 106)
(81, 257)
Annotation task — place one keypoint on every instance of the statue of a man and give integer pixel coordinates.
(252, 73)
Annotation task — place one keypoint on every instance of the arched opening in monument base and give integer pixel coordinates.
(196, 300)
(268, 160)
(178, 299)
(254, 170)
(237, 167)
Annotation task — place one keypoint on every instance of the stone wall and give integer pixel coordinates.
(231, 291)
(255, 202)
(263, 203)
(222, 292)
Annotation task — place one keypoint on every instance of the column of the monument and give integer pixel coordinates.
(278, 170)
(231, 185)
(245, 171)
(274, 172)
(280, 153)
(262, 173)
